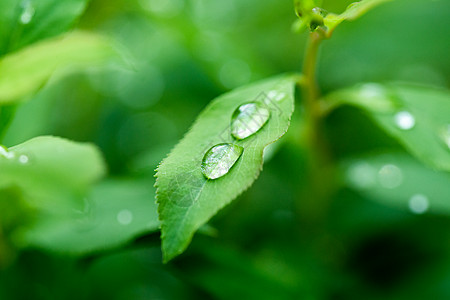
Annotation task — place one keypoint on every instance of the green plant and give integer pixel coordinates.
(120, 99)
(188, 199)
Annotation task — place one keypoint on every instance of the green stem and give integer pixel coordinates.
(320, 184)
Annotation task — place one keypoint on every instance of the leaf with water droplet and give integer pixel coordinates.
(416, 116)
(398, 180)
(186, 197)
(25, 22)
(220, 159)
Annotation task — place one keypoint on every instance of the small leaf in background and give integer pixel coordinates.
(23, 22)
(418, 117)
(353, 11)
(398, 180)
(25, 71)
(115, 212)
(186, 198)
(52, 173)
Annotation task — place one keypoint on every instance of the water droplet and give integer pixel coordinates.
(390, 176)
(219, 159)
(23, 159)
(362, 175)
(405, 120)
(5, 153)
(445, 135)
(418, 203)
(125, 217)
(248, 119)
(27, 12)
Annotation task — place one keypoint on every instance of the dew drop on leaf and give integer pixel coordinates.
(248, 119)
(23, 159)
(405, 120)
(390, 176)
(362, 175)
(220, 159)
(27, 12)
(418, 204)
(125, 217)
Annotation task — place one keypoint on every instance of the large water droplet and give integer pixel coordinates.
(418, 204)
(124, 217)
(5, 153)
(27, 12)
(405, 120)
(219, 159)
(248, 119)
(390, 176)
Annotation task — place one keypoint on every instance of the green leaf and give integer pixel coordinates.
(115, 212)
(417, 116)
(25, 71)
(186, 198)
(353, 11)
(398, 180)
(25, 22)
(52, 173)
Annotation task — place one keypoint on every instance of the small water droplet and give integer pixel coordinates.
(418, 203)
(445, 135)
(390, 176)
(405, 120)
(219, 159)
(125, 217)
(5, 153)
(23, 159)
(362, 175)
(248, 119)
(27, 12)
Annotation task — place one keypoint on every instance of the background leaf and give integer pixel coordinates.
(417, 116)
(115, 212)
(398, 180)
(353, 11)
(186, 198)
(23, 22)
(52, 173)
(23, 72)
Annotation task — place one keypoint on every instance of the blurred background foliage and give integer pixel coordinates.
(274, 242)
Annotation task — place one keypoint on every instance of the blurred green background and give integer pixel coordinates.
(273, 242)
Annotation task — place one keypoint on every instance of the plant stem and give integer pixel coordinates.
(310, 88)
(316, 198)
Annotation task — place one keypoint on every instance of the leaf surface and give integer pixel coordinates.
(25, 71)
(186, 198)
(115, 212)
